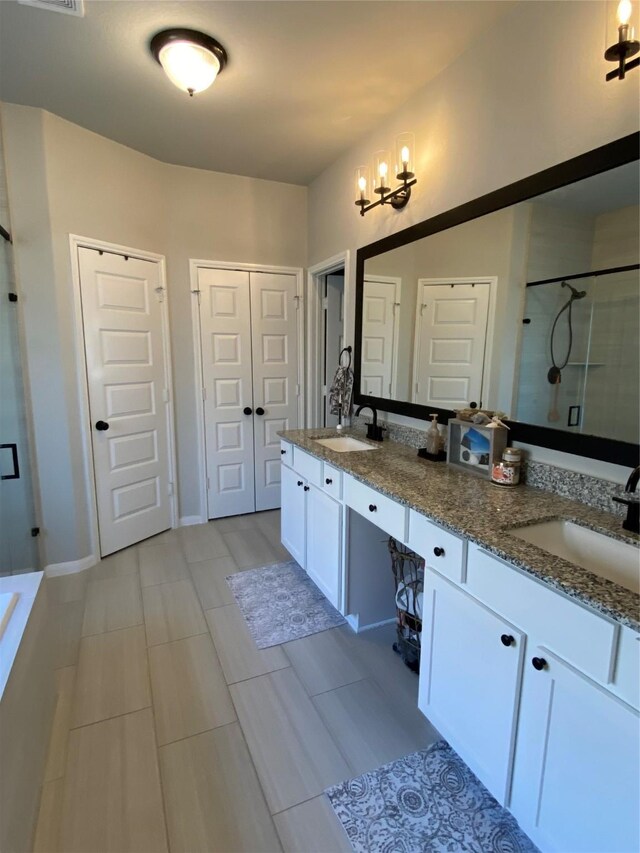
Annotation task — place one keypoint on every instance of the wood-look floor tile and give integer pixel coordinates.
(213, 798)
(238, 653)
(312, 827)
(162, 564)
(112, 676)
(293, 752)
(325, 661)
(209, 580)
(121, 564)
(62, 589)
(268, 523)
(249, 548)
(47, 836)
(369, 727)
(112, 797)
(189, 691)
(66, 624)
(57, 755)
(235, 522)
(202, 542)
(111, 604)
(172, 611)
(167, 537)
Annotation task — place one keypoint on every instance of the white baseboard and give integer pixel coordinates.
(71, 567)
(190, 520)
(354, 623)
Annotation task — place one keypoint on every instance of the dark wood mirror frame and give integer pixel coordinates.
(618, 153)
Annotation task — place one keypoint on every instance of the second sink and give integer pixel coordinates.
(604, 556)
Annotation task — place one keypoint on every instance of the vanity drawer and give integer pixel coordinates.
(381, 510)
(286, 453)
(332, 481)
(440, 549)
(307, 466)
(574, 633)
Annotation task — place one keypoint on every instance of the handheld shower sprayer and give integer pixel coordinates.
(575, 294)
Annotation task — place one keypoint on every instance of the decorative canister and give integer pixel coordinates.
(507, 472)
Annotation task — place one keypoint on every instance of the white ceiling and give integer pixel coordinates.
(305, 79)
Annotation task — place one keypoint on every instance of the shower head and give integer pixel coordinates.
(575, 294)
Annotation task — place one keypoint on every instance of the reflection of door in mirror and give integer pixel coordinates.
(380, 317)
(333, 336)
(451, 332)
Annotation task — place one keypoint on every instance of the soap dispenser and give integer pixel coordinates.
(433, 437)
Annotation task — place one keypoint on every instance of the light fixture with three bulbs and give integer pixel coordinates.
(380, 185)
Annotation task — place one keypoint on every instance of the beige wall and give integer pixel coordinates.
(64, 179)
(515, 103)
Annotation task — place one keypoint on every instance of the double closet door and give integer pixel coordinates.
(249, 335)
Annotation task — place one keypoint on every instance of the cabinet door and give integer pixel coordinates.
(470, 679)
(577, 764)
(324, 536)
(292, 517)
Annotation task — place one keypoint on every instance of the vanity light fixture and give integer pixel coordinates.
(191, 60)
(626, 45)
(380, 184)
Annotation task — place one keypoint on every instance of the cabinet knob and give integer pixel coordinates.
(373, 508)
(282, 452)
(306, 488)
(439, 552)
(259, 411)
(538, 663)
(299, 482)
(247, 410)
(507, 640)
(328, 481)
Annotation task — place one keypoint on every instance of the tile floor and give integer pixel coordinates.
(174, 732)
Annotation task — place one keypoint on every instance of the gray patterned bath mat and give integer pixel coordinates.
(427, 802)
(280, 603)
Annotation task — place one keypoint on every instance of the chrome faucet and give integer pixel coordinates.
(631, 500)
(374, 431)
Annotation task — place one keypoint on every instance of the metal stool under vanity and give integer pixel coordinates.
(408, 574)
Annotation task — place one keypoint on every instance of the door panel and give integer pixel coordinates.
(126, 375)
(275, 377)
(225, 329)
(379, 337)
(451, 329)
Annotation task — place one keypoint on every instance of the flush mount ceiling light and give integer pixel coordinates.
(191, 60)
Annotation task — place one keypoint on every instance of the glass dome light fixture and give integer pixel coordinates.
(191, 60)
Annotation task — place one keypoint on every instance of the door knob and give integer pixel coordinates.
(247, 410)
(439, 552)
(259, 411)
(101, 426)
(507, 640)
(538, 663)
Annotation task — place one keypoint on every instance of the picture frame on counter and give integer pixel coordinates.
(474, 448)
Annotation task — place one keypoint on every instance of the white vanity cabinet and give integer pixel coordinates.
(311, 520)
(576, 782)
(470, 679)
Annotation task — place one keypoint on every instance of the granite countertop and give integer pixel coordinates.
(474, 508)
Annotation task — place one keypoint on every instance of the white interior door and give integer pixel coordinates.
(225, 329)
(381, 301)
(274, 324)
(128, 395)
(451, 329)
(334, 337)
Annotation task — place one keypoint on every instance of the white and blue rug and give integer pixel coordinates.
(280, 603)
(427, 802)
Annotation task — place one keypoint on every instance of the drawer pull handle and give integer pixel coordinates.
(507, 640)
(328, 481)
(539, 663)
(282, 452)
(306, 488)
(439, 552)
(373, 508)
(299, 482)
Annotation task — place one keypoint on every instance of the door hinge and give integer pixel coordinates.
(208, 484)
(35, 531)
(204, 394)
(198, 293)
(165, 395)
(297, 390)
(297, 300)
(325, 303)
(324, 391)
(160, 293)
(13, 297)
(170, 488)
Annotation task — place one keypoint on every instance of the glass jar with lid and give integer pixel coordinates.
(507, 472)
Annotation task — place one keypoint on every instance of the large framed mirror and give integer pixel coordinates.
(524, 301)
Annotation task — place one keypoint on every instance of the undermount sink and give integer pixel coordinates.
(344, 444)
(609, 558)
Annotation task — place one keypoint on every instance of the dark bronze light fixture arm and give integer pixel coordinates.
(397, 198)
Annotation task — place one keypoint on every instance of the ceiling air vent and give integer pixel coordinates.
(68, 7)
